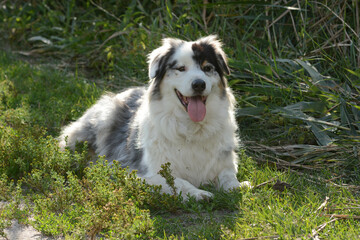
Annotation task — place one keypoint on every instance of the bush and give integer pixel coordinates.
(106, 202)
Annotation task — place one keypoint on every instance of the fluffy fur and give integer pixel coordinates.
(185, 116)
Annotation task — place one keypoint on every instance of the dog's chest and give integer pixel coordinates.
(196, 162)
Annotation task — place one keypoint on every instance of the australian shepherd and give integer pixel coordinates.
(185, 116)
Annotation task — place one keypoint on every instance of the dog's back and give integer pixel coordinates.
(106, 127)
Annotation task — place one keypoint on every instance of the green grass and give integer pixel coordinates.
(295, 74)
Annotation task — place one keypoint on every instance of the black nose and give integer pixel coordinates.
(198, 85)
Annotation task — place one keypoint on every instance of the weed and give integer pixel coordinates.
(165, 172)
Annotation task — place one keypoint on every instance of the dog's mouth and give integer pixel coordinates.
(194, 106)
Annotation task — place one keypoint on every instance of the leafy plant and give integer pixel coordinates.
(105, 202)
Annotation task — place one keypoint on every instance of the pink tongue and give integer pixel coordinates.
(196, 109)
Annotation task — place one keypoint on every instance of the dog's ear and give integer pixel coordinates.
(154, 59)
(159, 58)
(222, 60)
(158, 61)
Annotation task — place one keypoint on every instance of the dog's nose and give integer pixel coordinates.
(198, 85)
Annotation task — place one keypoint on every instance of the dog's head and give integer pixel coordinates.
(189, 70)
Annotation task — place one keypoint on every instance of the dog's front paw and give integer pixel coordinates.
(199, 195)
(237, 185)
(246, 185)
(203, 195)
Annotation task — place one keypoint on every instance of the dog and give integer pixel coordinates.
(185, 116)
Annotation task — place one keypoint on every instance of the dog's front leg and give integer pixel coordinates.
(182, 186)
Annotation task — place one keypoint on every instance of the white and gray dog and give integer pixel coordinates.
(185, 117)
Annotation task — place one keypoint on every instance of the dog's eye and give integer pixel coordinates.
(181, 69)
(207, 68)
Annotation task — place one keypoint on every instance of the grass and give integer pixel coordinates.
(295, 73)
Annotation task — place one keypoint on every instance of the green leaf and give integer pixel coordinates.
(357, 73)
(250, 111)
(40, 38)
(321, 136)
(317, 79)
(319, 107)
